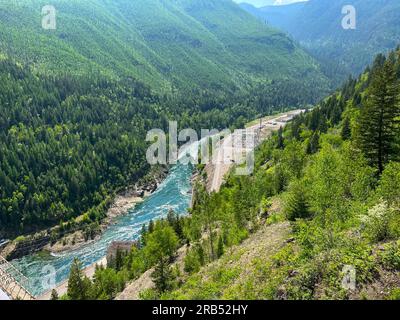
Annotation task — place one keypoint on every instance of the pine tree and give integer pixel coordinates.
(54, 295)
(314, 120)
(296, 205)
(78, 284)
(179, 227)
(296, 127)
(346, 129)
(313, 144)
(379, 124)
(220, 249)
(151, 226)
(163, 276)
(143, 234)
(171, 218)
(119, 260)
(280, 142)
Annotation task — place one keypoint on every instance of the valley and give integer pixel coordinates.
(156, 206)
(317, 26)
(299, 199)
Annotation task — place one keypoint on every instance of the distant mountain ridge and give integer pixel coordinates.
(257, 3)
(263, 3)
(165, 43)
(317, 25)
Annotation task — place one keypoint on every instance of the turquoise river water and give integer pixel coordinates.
(174, 193)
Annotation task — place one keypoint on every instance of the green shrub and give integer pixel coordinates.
(149, 294)
(296, 206)
(389, 185)
(20, 239)
(390, 257)
(394, 294)
(377, 222)
(192, 262)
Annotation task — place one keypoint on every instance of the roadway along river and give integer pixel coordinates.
(174, 193)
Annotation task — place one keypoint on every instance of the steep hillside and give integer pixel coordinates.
(164, 43)
(316, 24)
(68, 143)
(282, 17)
(318, 219)
(343, 207)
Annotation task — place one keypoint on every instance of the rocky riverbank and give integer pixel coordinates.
(121, 206)
(124, 201)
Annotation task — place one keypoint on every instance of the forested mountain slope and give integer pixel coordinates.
(76, 102)
(67, 144)
(325, 190)
(164, 43)
(317, 25)
(334, 175)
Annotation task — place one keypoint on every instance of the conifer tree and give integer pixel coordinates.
(220, 249)
(151, 226)
(54, 295)
(78, 284)
(280, 142)
(379, 121)
(313, 144)
(346, 129)
(163, 276)
(296, 204)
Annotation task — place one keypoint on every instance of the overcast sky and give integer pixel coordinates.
(261, 3)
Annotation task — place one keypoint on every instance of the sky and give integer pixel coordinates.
(261, 3)
(3, 296)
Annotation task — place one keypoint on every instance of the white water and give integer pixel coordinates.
(174, 193)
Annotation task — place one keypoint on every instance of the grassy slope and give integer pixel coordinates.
(163, 42)
(234, 275)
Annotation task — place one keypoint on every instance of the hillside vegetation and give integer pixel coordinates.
(336, 173)
(317, 25)
(333, 174)
(165, 43)
(76, 102)
(70, 142)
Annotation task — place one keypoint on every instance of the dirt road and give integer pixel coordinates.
(228, 151)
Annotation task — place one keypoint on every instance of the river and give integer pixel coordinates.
(174, 193)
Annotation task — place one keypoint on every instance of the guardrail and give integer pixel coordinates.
(13, 282)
